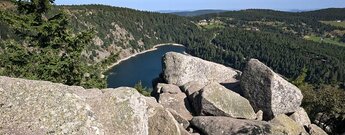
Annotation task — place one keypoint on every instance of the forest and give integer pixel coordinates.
(285, 54)
(113, 27)
(65, 44)
(279, 40)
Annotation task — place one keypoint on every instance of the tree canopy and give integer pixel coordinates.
(47, 48)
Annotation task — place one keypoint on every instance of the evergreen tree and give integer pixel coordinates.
(48, 49)
(141, 89)
(342, 39)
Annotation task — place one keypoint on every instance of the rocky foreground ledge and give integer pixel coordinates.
(191, 97)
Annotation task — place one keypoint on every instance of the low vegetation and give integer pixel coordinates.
(142, 90)
(72, 44)
(46, 48)
(335, 23)
(325, 40)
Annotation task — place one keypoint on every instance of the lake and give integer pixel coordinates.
(143, 67)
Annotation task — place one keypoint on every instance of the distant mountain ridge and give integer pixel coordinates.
(198, 12)
(227, 37)
(321, 14)
(220, 11)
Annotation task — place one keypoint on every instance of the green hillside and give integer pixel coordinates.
(117, 33)
(278, 39)
(54, 46)
(270, 30)
(122, 28)
(121, 32)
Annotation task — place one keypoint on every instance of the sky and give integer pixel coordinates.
(187, 5)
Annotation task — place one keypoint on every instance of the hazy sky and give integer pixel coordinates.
(155, 5)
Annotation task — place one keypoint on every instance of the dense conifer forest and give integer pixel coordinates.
(74, 44)
(282, 40)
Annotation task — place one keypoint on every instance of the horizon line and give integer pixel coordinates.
(192, 10)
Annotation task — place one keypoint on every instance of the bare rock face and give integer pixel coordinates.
(180, 119)
(259, 115)
(179, 69)
(177, 102)
(118, 108)
(39, 107)
(291, 126)
(184, 131)
(33, 107)
(161, 122)
(191, 87)
(269, 92)
(167, 88)
(214, 99)
(172, 98)
(211, 125)
(315, 130)
(301, 117)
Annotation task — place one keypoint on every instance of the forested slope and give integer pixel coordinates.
(287, 55)
(122, 31)
(127, 31)
(41, 36)
(276, 38)
(282, 41)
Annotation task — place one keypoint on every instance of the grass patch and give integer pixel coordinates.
(324, 40)
(213, 26)
(334, 23)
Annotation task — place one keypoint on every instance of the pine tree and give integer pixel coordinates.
(48, 49)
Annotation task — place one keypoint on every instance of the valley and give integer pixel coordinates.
(81, 42)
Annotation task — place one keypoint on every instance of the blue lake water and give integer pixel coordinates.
(143, 67)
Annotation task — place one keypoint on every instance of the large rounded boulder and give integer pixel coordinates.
(214, 99)
(210, 125)
(39, 107)
(269, 92)
(158, 116)
(179, 69)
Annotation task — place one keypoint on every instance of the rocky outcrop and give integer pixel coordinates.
(259, 115)
(168, 88)
(315, 130)
(191, 87)
(159, 116)
(116, 109)
(204, 105)
(219, 109)
(39, 107)
(183, 121)
(301, 117)
(177, 102)
(165, 88)
(211, 125)
(184, 131)
(269, 92)
(179, 69)
(289, 125)
(214, 99)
